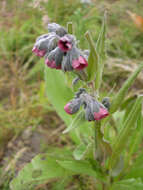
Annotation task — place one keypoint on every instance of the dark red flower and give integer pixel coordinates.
(73, 106)
(52, 64)
(80, 63)
(65, 44)
(67, 108)
(38, 52)
(103, 112)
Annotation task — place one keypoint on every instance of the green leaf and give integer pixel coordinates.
(135, 139)
(136, 170)
(58, 95)
(79, 167)
(128, 101)
(118, 99)
(93, 58)
(81, 150)
(125, 132)
(100, 48)
(37, 172)
(78, 120)
(130, 184)
(57, 92)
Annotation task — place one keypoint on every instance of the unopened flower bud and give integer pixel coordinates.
(54, 58)
(66, 63)
(38, 52)
(86, 52)
(59, 30)
(45, 43)
(73, 106)
(80, 91)
(94, 110)
(91, 106)
(106, 102)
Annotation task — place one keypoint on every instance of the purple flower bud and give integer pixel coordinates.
(59, 30)
(45, 43)
(89, 114)
(106, 102)
(42, 37)
(73, 106)
(94, 110)
(80, 63)
(66, 63)
(54, 58)
(38, 52)
(91, 106)
(103, 112)
(66, 42)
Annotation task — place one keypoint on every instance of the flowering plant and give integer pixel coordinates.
(105, 148)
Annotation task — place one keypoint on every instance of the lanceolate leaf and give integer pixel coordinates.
(97, 54)
(125, 132)
(93, 58)
(100, 48)
(130, 184)
(118, 99)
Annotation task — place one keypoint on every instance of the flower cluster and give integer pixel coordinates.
(60, 50)
(94, 110)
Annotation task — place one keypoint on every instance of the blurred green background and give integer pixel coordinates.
(27, 119)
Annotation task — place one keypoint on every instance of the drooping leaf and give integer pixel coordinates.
(116, 102)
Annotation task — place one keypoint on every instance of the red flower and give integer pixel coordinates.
(103, 112)
(73, 106)
(52, 64)
(38, 52)
(65, 44)
(80, 63)
(67, 108)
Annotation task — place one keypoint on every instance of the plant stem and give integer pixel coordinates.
(70, 27)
